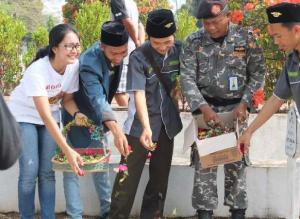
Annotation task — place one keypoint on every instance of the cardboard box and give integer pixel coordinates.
(229, 155)
(216, 150)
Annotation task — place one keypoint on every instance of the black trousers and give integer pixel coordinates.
(124, 191)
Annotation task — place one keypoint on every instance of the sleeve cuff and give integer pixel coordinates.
(196, 105)
(280, 98)
(108, 116)
(247, 98)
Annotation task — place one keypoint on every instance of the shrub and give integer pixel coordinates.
(185, 24)
(89, 21)
(38, 39)
(11, 34)
(71, 8)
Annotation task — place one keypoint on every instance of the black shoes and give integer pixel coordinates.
(202, 214)
(104, 216)
(237, 213)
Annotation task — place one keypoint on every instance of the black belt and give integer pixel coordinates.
(216, 101)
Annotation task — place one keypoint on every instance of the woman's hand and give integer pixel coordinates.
(75, 161)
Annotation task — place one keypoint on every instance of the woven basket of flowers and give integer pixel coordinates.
(94, 159)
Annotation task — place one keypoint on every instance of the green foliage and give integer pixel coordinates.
(89, 21)
(185, 24)
(71, 8)
(50, 22)
(30, 12)
(11, 34)
(38, 39)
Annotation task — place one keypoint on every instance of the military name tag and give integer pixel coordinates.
(239, 51)
(233, 84)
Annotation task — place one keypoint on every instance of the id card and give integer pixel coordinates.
(233, 84)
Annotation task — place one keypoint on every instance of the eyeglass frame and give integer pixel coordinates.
(70, 47)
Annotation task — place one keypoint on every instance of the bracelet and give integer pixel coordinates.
(74, 115)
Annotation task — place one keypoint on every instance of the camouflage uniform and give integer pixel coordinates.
(206, 70)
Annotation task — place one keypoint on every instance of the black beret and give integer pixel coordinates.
(160, 23)
(113, 33)
(211, 8)
(284, 13)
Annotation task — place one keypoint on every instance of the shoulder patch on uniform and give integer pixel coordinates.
(174, 62)
(293, 74)
(150, 70)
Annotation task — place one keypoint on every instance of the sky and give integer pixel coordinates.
(177, 3)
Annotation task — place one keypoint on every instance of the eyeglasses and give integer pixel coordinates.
(70, 47)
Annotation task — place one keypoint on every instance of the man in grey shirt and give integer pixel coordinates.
(152, 117)
(284, 19)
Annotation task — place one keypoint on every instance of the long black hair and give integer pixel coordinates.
(56, 35)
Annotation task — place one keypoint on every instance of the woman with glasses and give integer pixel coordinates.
(35, 103)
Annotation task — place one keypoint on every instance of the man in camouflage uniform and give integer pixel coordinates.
(221, 67)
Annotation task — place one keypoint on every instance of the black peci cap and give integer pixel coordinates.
(113, 33)
(284, 13)
(160, 23)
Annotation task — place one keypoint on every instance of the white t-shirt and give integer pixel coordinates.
(130, 11)
(40, 79)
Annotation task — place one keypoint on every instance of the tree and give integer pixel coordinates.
(185, 24)
(38, 39)
(71, 8)
(30, 12)
(11, 34)
(89, 21)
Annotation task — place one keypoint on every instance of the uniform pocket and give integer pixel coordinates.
(152, 84)
(204, 70)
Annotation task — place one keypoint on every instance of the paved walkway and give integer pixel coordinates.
(63, 216)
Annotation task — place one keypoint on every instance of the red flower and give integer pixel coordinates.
(249, 6)
(81, 172)
(129, 148)
(123, 167)
(149, 156)
(143, 10)
(237, 16)
(258, 98)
